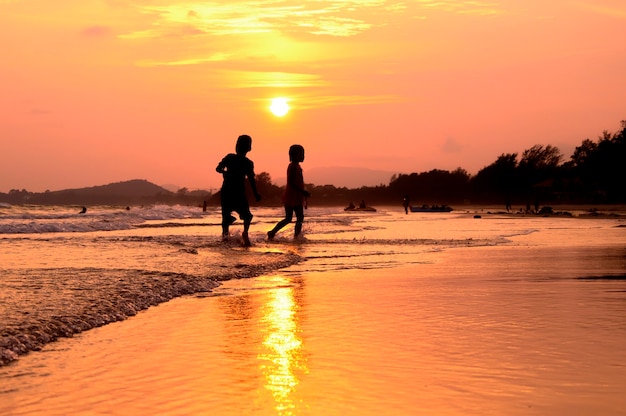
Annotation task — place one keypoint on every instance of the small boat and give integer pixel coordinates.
(431, 208)
(359, 209)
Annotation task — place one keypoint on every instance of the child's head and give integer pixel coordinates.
(296, 153)
(244, 144)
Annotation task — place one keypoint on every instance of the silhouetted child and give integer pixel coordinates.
(295, 195)
(236, 168)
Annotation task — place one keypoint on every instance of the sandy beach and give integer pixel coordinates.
(51, 306)
(533, 325)
(444, 342)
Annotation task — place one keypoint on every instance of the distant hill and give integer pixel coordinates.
(343, 177)
(132, 188)
(137, 191)
(171, 187)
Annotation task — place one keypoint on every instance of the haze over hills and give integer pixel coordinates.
(343, 177)
(338, 176)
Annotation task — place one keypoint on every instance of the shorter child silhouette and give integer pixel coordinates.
(236, 168)
(295, 195)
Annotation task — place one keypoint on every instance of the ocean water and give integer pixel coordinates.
(470, 312)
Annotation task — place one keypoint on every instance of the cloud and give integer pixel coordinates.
(605, 10)
(215, 57)
(463, 7)
(96, 31)
(252, 79)
(244, 29)
(322, 17)
(117, 3)
(320, 101)
(450, 145)
(38, 112)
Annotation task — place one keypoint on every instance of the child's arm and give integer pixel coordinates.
(252, 181)
(221, 166)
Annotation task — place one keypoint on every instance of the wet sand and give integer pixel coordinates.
(41, 305)
(515, 330)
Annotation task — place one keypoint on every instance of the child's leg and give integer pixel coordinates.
(247, 220)
(226, 220)
(244, 234)
(282, 223)
(299, 220)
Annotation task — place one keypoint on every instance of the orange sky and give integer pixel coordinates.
(101, 91)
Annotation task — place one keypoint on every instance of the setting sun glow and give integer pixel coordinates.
(279, 106)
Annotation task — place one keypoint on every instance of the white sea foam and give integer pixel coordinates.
(56, 219)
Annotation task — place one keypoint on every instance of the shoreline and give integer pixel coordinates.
(557, 210)
(455, 339)
(63, 303)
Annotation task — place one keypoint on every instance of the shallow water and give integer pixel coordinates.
(388, 314)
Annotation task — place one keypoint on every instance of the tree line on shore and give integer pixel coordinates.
(593, 174)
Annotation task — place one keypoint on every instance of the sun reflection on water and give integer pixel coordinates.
(282, 361)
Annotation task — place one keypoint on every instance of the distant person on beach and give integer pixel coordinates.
(83, 210)
(236, 167)
(294, 198)
(405, 203)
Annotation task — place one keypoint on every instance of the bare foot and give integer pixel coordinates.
(246, 240)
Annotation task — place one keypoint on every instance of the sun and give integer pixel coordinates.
(279, 106)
